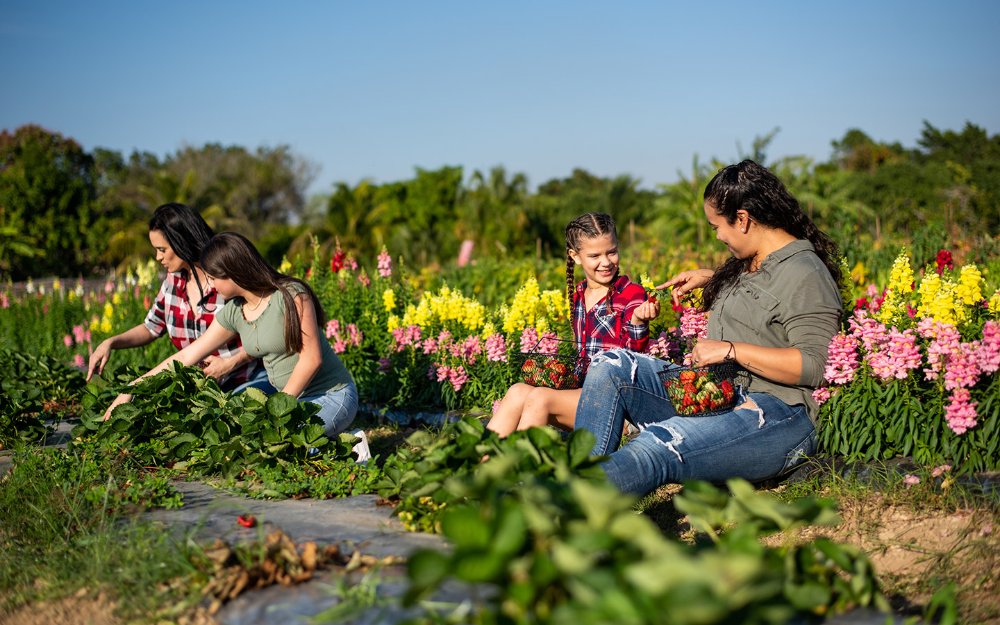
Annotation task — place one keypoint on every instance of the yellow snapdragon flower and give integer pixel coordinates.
(389, 300)
(969, 287)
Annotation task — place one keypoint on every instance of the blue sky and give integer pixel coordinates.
(375, 89)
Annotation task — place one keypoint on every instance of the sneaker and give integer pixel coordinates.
(362, 450)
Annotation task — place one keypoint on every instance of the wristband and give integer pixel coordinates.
(731, 354)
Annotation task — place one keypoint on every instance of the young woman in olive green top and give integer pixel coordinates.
(298, 359)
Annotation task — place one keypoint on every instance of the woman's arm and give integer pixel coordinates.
(213, 338)
(218, 366)
(311, 356)
(133, 337)
(779, 364)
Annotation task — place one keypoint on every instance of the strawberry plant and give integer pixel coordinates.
(187, 419)
(35, 390)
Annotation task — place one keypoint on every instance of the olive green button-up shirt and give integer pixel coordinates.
(790, 301)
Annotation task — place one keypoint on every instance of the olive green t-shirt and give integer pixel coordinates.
(264, 338)
(790, 301)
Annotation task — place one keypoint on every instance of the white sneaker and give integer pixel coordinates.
(361, 448)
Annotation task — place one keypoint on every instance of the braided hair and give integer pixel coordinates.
(586, 226)
(755, 189)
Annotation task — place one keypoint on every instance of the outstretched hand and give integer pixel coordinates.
(124, 398)
(99, 358)
(685, 282)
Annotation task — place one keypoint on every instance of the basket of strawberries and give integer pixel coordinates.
(559, 369)
(704, 391)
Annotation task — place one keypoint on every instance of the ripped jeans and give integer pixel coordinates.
(752, 443)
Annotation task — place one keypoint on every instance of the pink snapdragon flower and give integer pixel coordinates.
(430, 345)
(68, 341)
(496, 348)
(960, 411)
(694, 323)
(941, 470)
(81, 334)
(404, 337)
(896, 357)
(842, 359)
(989, 348)
(822, 395)
(384, 263)
(962, 369)
(529, 339)
(548, 343)
(458, 377)
(911, 480)
(78, 361)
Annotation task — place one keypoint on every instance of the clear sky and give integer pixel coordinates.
(373, 89)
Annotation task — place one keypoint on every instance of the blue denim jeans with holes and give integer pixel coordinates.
(761, 440)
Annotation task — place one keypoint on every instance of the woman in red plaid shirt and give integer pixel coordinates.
(186, 304)
(608, 311)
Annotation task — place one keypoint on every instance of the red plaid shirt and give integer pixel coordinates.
(171, 313)
(608, 324)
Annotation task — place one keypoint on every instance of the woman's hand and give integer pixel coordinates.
(99, 358)
(709, 352)
(217, 366)
(687, 281)
(124, 398)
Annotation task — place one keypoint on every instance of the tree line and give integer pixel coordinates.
(66, 211)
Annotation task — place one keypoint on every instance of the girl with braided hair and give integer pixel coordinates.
(773, 308)
(607, 311)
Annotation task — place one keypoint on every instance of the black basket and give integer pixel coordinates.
(704, 391)
(558, 371)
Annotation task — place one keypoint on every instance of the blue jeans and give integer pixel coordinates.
(337, 407)
(752, 443)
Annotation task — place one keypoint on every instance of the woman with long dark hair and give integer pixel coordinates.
(773, 308)
(186, 304)
(279, 320)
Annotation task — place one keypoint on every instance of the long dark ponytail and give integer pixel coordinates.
(231, 255)
(753, 188)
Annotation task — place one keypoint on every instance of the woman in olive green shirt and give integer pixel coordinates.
(773, 308)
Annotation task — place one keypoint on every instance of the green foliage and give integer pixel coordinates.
(561, 548)
(46, 192)
(870, 420)
(185, 418)
(35, 390)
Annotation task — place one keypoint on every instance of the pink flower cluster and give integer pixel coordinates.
(666, 346)
(404, 337)
(892, 354)
(456, 376)
(546, 343)
(694, 323)
(4, 300)
(79, 336)
(496, 348)
(384, 264)
(341, 342)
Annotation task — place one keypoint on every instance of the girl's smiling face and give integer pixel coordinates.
(598, 256)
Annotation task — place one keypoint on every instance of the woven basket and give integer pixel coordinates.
(558, 371)
(704, 391)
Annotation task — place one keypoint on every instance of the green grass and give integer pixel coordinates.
(67, 525)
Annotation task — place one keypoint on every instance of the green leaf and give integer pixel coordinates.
(281, 404)
(464, 526)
